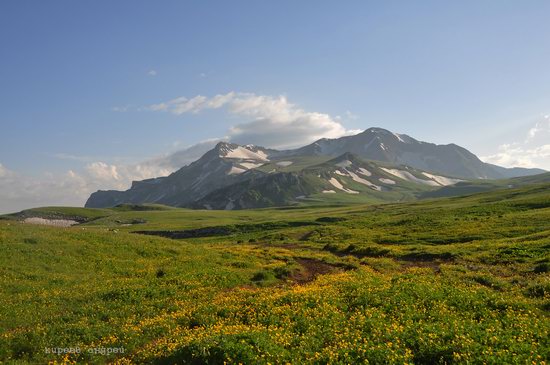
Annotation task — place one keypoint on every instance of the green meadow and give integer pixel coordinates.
(461, 280)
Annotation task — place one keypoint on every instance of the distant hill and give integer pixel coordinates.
(479, 186)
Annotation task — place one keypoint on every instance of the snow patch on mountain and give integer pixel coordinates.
(250, 165)
(339, 186)
(363, 171)
(244, 153)
(442, 180)
(360, 180)
(398, 137)
(235, 171)
(405, 175)
(387, 181)
(284, 163)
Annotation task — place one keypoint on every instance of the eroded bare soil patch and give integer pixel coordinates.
(310, 269)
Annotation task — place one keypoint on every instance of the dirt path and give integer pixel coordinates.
(310, 269)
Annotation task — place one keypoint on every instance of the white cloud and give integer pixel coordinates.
(273, 121)
(516, 155)
(104, 176)
(4, 172)
(102, 171)
(541, 130)
(152, 73)
(19, 191)
(533, 151)
(193, 105)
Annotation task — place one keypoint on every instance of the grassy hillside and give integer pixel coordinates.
(346, 179)
(73, 213)
(452, 280)
(293, 164)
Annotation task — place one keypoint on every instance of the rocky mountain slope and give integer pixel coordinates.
(221, 166)
(382, 145)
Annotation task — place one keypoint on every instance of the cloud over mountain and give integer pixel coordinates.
(532, 151)
(19, 191)
(269, 121)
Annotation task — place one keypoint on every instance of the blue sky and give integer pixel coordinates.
(79, 82)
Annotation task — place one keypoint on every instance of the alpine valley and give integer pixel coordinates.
(373, 166)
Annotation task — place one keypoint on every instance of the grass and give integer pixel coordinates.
(298, 163)
(78, 214)
(452, 280)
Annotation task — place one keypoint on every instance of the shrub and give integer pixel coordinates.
(542, 268)
(160, 273)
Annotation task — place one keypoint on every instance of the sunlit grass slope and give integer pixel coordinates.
(453, 280)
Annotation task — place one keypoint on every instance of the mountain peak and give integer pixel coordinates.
(376, 130)
(381, 132)
(223, 146)
(229, 150)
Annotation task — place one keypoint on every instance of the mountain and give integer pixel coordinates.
(382, 145)
(345, 178)
(225, 164)
(376, 165)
